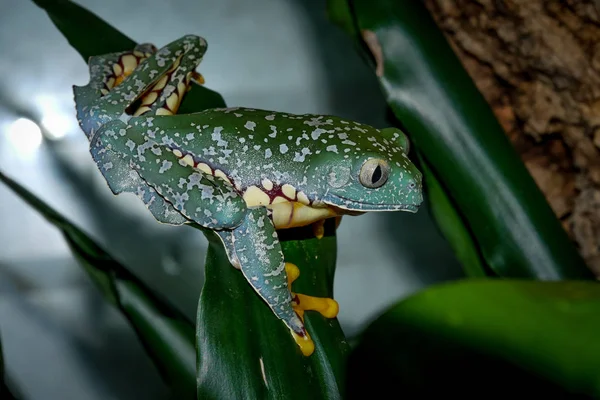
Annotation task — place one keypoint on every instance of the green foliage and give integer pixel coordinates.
(244, 352)
(166, 334)
(511, 225)
(476, 337)
(469, 337)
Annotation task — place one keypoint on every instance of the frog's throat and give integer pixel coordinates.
(349, 206)
(293, 214)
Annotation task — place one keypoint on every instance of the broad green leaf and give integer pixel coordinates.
(458, 136)
(485, 337)
(452, 224)
(244, 351)
(91, 36)
(166, 334)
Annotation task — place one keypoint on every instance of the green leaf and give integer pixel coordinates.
(452, 225)
(458, 136)
(91, 36)
(166, 334)
(244, 351)
(485, 336)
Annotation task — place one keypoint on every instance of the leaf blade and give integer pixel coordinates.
(254, 355)
(162, 330)
(467, 337)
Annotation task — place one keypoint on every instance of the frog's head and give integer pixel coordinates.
(131, 83)
(378, 177)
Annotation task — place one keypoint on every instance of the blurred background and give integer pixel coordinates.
(60, 338)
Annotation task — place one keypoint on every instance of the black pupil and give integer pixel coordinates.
(376, 175)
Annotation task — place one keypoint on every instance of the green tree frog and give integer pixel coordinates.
(244, 173)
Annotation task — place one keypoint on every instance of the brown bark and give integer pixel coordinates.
(537, 62)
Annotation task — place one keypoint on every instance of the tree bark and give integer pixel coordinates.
(537, 62)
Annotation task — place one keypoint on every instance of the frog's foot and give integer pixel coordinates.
(327, 307)
(197, 77)
(318, 227)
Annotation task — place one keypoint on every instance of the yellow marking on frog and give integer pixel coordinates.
(177, 153)
(289, 191)
(110, 83)
(267, 184)
(327, 307)
(253, 196)
(141, 110)
(104, 91)
(293, 214)
(303, 198)
(319, 229)
(149, 98)
(188, 160)
(117, 69)
(162, 82)
(221, 174)
(204, 168)
(198, 77)
(163, 111)
(129, 62)
(173, 102)
(279, 199)
(181, 88)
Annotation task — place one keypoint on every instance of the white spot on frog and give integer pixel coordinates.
(131, 144)
(299, 157)
(283, 148)
(332, 148)
(316, 133)
(250, 125)
(273, 133)
(166, 165)
(268, 153)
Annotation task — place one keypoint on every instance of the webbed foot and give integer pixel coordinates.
(327, 307)
(318, 227)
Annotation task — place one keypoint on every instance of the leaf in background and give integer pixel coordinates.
(459, 137)
(92, 36)
(245, 352)
(475, 337)
(165, 333)
(452, 225)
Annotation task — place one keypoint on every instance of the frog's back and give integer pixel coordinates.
(249, 145)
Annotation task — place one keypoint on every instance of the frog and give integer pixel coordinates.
(243, 173)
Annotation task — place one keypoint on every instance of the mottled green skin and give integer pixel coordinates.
(318, 155)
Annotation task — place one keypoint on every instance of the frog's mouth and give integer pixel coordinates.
(352, 205)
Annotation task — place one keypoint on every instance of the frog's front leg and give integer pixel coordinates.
(257, 251)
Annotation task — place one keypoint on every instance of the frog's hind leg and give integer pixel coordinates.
(258, 252)
(106, 72)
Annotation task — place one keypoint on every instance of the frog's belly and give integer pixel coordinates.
(294, 214)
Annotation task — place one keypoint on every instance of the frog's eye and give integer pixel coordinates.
(374, 173)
